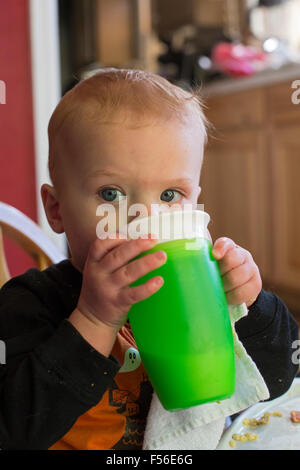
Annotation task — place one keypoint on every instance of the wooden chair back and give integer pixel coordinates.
(19, 228)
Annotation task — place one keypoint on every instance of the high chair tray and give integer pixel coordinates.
(279, 432)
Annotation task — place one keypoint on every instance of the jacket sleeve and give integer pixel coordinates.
(50, 377)
(269, 334)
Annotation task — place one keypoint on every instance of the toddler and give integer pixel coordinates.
(120, 135)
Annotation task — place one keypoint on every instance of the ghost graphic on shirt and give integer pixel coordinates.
(132, 360)
(131, 400)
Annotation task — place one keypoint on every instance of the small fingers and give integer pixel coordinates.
(222, 246)
(131, 295)
(246, 293)
(138, 268)
(116, 258)
(99, 248)
(238, 276)
(234, 258)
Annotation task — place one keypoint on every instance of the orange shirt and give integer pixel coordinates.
(118, 421)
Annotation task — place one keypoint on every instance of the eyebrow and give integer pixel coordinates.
(176, 181)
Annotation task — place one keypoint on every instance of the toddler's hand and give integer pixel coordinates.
(105, 294)
(240, 275)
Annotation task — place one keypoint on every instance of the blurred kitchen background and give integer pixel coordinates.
(187, 41)
(245, 54)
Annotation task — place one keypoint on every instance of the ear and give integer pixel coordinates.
(51, 206)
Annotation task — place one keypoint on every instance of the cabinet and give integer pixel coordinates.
(286, 205)
(124, 33)
(251, 181)
(233, 191)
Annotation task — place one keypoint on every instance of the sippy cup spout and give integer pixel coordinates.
(170, 225)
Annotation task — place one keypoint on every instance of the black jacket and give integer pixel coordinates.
(52, 375)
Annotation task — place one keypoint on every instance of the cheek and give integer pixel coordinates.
(79, 238)
(80, 223)
(80, 228)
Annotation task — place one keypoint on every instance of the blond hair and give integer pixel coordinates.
(112, 94)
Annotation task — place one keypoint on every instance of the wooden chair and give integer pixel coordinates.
(19, 228)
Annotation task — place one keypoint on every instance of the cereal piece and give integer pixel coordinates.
(277, 413)
(257, 422)
(246, 422)
(248, 436)
(295, 416)
(232, 444)
(264, 419)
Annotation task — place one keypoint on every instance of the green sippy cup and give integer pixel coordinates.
(183, 331)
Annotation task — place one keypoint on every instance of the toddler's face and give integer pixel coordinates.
(114, 164)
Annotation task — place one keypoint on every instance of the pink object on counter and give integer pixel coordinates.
(237, 60)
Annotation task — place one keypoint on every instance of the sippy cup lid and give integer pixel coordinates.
(169, 225)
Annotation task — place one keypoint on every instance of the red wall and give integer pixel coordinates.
(17, 171)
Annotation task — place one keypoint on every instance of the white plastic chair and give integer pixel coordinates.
(19, 228)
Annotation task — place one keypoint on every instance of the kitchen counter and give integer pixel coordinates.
(264, 78)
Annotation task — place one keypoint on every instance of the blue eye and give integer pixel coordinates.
(109, 194)
(169, 195)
